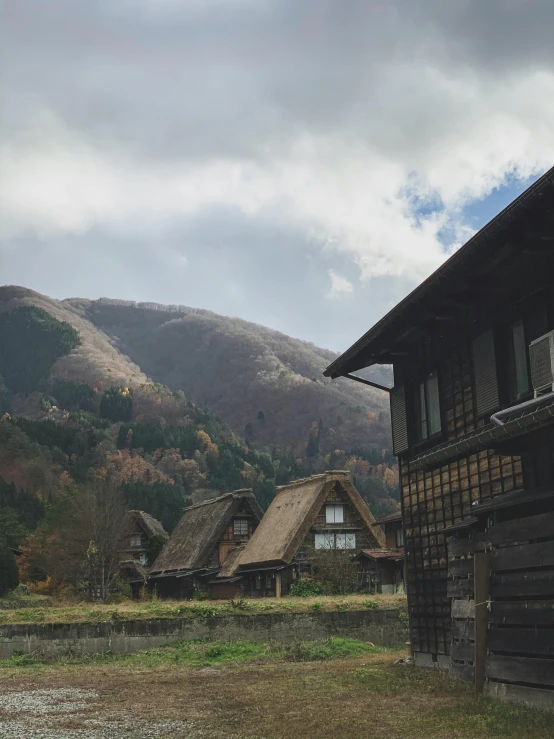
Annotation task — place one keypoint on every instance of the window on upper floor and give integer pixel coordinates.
(334, 513)
(399, 538)
(428, 412)
(135, 540)
(335, 541)
(240, 527)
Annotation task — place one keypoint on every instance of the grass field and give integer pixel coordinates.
(333, 689)
(171, 609)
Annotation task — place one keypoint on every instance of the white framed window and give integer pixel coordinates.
(135, 540)
(240, 527)
(143, 559)
(324, 541)
(334, 514)
(399, 538)
(350, 541)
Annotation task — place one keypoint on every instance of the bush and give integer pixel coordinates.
(9, 574)
(306, 588)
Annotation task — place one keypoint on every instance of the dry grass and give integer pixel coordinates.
(179, 609)
(361, 697)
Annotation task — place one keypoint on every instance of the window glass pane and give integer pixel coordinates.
(320, 541)
(350, 541)
(341, 541)
(334, 514)
(433, 405)
(520, 359)
(329, 541)
(423, 411)
(399, 538)
(240, 527)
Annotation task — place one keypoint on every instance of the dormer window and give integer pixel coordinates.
(334, 514)
(135, 540)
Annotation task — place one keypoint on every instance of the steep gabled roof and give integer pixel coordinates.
(149, 524)
(293, 512)
(200, 528)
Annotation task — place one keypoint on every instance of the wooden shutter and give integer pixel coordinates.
(398, 420)
(484, 370)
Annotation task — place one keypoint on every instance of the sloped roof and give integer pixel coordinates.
(392, 518)
(150, 524)
(293, 512)
(389, 554)
(229, 567)
(199, 529)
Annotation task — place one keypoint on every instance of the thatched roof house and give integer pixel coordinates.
(145, 522)
(204, 538)
(294, 513)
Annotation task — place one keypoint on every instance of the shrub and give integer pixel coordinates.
(9, 575)
(306, 588)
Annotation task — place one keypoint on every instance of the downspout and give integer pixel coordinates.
(496, 418)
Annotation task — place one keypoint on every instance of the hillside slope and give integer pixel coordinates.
(238, 369)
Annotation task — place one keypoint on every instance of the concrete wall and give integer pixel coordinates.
(382, 627)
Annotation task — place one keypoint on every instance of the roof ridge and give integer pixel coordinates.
(232, 493)
(328, 474)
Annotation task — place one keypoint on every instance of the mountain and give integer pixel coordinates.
(237, 369)
(151, 407)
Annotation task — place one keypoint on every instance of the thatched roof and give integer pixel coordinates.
(230, 566)
(294, 511)
(150, 525)
(200, 528)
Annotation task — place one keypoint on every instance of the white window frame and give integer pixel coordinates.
(334, 513)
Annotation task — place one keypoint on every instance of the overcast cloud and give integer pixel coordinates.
(299, 163)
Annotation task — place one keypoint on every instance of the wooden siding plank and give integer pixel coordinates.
(463, 630)
(521, 641)
(459, 547)
(463, 609)
(520, 669)
(482, 595)
(523, 557)
(460, 588)
(460, 567)
(540, 697)
(522, 529)
(513, 613)
(462, 651)
(523, 584)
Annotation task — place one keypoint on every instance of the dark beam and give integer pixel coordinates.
(368, 382)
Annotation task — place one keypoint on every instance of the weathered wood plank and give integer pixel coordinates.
(523, 556)
(520, 669)
(462, 651)
(460, 588)
(521, 641)
(524, 613)
(459, 547)
(540, 697)
(460, 567)
(482, 594)
(463, 609)
(462, 672)
(463, 630)
(522, 583)
(522, 529)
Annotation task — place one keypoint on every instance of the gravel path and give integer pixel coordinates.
(50, 714)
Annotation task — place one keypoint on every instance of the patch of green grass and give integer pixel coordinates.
(205, 653)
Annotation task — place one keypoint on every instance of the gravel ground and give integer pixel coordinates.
(52, 714)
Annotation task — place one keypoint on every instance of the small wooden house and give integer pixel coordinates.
(201, 543)
(138, 528)
(320, 512)
(472, 412)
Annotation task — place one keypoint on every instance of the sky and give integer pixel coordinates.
(302, 164)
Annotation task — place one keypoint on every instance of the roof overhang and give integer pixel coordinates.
(377, 345)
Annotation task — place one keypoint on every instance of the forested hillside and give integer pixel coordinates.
(83, 429)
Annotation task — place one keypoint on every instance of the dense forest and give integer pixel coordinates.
(84, 449)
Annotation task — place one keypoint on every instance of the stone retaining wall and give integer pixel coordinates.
(382, 627)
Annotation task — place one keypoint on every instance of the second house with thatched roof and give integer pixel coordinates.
(323, 512)
(201, 543)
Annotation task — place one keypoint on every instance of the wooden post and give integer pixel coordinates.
(482, 579)
(277, 584)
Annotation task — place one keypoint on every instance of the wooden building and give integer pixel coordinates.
(383, 570)
(201, 543)
(320, 512)
(473, 428)
(139, 528)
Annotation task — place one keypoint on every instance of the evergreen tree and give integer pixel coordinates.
(9, 575)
